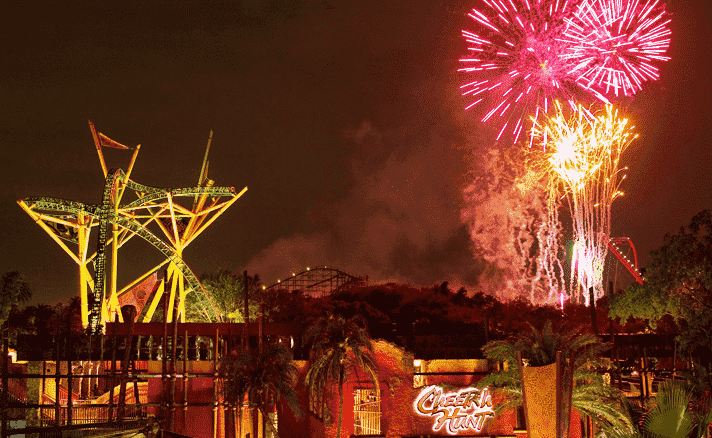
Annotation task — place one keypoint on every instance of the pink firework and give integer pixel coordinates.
(516, 66)
(614, 44)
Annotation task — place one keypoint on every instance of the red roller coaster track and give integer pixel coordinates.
(633, 269)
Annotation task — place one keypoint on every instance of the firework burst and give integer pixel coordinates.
(582, 154)
(614, 44)
(515, 66)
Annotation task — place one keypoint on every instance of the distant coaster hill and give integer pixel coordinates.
(319, 282)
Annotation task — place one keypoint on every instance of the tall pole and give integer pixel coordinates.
(215, 383)
(58, 384)
(592, 301)
(174, 353)
(247, 334)
(246, 331)
(185, 378)
(113, 366)
(5, 381)
(262, 324)
(164, 357)
(69, 385)
(129, 317)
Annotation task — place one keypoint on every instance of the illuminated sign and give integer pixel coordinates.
(454, 412)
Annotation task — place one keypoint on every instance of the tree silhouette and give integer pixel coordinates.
(15, 292)
(264, 378)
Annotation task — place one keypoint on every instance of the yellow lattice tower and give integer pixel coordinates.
(117, 221)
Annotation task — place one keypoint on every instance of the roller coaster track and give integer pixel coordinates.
(632, 268)
(318, 282)
(126, 218)
(104, 215)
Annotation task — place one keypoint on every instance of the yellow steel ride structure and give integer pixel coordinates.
(127, 209)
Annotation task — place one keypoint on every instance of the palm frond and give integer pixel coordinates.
(590, 395)
(670, 415)
(605, 405)
(264, 378)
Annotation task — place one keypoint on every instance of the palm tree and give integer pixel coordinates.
(14, 292)
(590, 395)
(264, 378)
(37, 319)
(674, 412)
(669, 415)
(700, 383)
(339, 346)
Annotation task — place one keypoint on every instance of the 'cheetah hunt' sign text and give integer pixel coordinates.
(453, 412)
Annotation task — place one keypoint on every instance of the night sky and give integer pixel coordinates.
(343, 117)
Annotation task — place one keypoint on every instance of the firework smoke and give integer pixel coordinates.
(510, 222)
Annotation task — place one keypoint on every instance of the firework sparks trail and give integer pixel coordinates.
(583, 156)
(548, 261)
(614, 44)
(516, 66)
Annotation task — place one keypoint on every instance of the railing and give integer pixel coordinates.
(16, 390)
(90, 429)
(87, 414)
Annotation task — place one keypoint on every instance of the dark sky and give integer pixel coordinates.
(342, 117)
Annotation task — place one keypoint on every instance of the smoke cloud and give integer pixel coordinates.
(400, 222)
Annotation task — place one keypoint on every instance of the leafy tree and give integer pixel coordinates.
(590, 395)
(699, 382)
(404, 305)
(264, 378)
(227, 293)
(340, 346)
(45, 325)
(15, 291)
(33, 320)
(678, 282)
(281, 305)
(67, 318)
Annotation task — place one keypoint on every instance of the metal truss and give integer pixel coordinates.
(167, 218)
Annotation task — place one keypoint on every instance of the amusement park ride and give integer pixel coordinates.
(319, 282)
(613, 245)
(169, 219)
(129, 209)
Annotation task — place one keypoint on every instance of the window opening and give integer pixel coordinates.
(367, 412)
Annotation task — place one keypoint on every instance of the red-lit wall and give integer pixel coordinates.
(197, 421)
(398, 419)
(397, 397)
